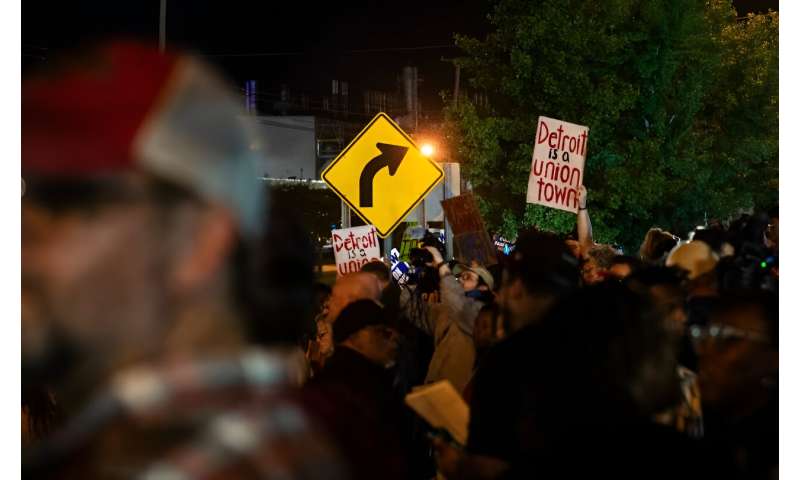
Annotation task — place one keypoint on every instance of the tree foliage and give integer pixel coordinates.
(680, 98)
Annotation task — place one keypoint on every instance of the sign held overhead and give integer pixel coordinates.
(559, 155)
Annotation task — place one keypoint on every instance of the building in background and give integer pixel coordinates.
(300, 133)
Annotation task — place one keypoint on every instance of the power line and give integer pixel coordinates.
(343, 52)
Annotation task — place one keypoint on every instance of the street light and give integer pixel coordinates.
(427, 150)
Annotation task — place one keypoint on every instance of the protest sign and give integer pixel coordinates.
(469, 233)
(353, 247)
(411, 237)
(503, 245)
(559, 155)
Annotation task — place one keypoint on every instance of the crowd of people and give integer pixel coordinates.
(170, 331)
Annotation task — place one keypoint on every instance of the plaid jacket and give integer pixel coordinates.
(212, 419)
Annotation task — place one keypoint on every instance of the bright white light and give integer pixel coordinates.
(427, 150)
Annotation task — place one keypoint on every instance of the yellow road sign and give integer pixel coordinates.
(382, 175)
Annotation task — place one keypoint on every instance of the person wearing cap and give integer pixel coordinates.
(450, 322)
(143, 225)
(353, 393)
(695, 257)
(347, 289)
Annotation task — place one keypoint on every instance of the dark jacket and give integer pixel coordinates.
(547, 424)
(353, 397)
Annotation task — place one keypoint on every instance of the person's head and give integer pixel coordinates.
(141, 193)
(657, 244)
(539, 271)
(380, 270)
(623, 265)
(696, 258)
(597, 264)
(363, 327)
(748, 230)
(714, 236)
(474, 277)
(348, 289)
(738, 350)
(664, 287)
(322, 293)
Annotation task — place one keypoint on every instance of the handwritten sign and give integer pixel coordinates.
(469, 233)
(557, 164)
(353, 247)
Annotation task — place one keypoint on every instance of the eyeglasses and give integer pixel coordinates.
(467, 275)
(725, 332)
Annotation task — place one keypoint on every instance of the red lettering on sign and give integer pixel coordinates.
(543, 132)
(540, 164)
(561, 194)
(561, 175)
(575, 178)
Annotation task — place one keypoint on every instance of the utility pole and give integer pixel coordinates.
(457, 83)
(410, 94)
(162, 27)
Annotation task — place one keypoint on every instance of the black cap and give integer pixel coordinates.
(355, 316)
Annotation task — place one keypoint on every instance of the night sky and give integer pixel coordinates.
(308, 44)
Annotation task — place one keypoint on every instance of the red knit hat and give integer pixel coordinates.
(127, 107)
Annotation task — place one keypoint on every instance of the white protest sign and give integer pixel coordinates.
(557, 164)
(353, 247)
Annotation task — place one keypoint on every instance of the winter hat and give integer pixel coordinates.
(355, 316)
(126, 108)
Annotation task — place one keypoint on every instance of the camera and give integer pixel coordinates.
(751, 268)
(418, 257)
(424, 276)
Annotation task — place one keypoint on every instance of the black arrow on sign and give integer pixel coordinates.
(391, 156)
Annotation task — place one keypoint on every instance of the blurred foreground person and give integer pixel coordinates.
(738, 372)
(663, 287)
(143, 225)
(538, 273)
(574, 384)
(597, 369)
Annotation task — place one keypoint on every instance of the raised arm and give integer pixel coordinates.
(584, 224)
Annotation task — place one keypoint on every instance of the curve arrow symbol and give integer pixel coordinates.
(391, 156)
